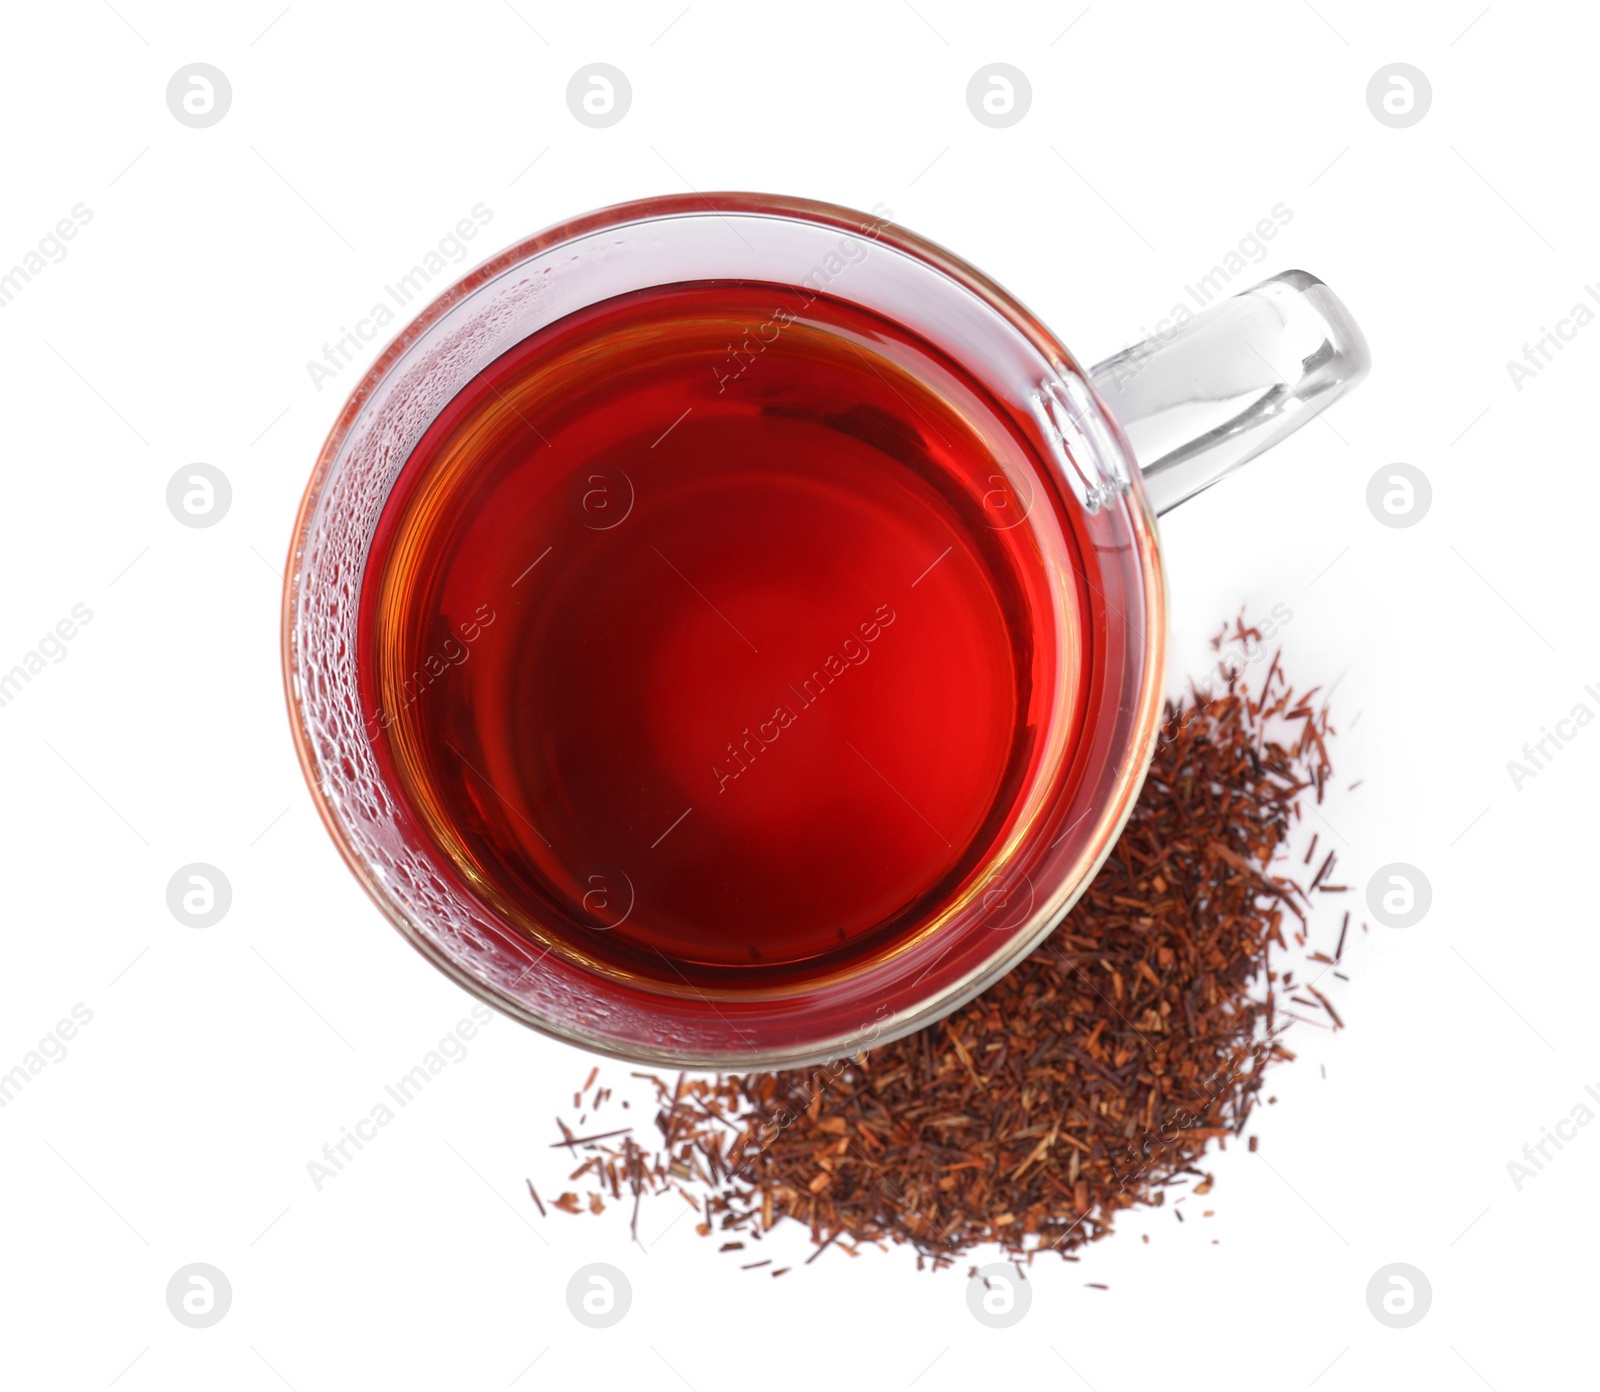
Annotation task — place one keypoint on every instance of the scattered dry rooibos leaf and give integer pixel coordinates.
(1088, 1080)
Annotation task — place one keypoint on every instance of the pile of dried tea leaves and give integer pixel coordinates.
(1090, 1079)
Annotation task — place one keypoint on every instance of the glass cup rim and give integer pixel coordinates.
(1142, 735)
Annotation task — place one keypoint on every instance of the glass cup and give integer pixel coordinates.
(1120, 443)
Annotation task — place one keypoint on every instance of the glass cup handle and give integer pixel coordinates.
(1198, 400)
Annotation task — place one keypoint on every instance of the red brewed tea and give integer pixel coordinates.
(707, 635)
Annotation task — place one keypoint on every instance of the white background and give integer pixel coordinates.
(218, 1062)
